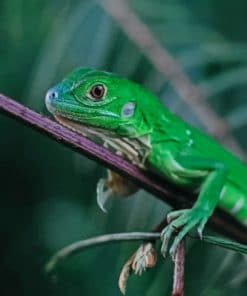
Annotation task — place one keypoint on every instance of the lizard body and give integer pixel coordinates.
(130, 120)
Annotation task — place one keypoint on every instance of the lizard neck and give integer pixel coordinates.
(135, 150)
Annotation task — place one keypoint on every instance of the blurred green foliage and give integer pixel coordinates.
(48, 191)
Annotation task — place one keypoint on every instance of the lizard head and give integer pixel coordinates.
(92, 98)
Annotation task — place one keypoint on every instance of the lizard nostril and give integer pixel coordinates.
(51, 95)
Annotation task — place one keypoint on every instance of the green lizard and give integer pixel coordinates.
(130, 120)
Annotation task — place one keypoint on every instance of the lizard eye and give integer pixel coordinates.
(97, 91)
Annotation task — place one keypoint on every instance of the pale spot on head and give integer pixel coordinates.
(128, 109)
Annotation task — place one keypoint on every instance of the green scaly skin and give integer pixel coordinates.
(133, 121)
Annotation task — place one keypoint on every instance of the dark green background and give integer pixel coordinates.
(48, 191)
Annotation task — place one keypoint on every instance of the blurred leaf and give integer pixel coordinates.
(238, 117)
(225, 80)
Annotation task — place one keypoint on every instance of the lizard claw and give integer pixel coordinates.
(181, 222)
(113, 186)
(102, 195)
(201, 227)
(174, 214)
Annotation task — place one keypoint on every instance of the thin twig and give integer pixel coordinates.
(178, 275)
(167, 65)
(95, 241)
(161, 188)
(81, 245)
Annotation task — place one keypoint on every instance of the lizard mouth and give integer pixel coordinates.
(134, 150)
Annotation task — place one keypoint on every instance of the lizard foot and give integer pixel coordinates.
(180, 223)
(113, 186)
(103, 195)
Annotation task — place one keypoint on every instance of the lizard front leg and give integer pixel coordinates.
(114, 186)
(210, 188)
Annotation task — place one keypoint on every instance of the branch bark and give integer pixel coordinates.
(161, 188)
(178, 275)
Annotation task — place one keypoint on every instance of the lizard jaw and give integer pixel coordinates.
(135, 150)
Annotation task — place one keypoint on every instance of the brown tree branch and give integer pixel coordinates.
(167, 65)
(178, 275)
(174, 195)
